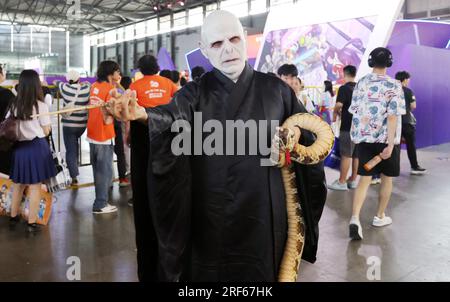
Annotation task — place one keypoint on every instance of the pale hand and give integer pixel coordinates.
(125, 107)
(387, 152)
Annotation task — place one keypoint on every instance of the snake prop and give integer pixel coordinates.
(290, 150)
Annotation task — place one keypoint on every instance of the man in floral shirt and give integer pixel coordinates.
(377, 105)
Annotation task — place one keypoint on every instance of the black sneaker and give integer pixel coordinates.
(13, 221)
(418, 170)
(130, 202)
(33, 228)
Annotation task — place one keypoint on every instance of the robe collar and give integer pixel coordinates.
(237, 91)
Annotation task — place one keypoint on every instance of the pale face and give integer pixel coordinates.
(223, 43)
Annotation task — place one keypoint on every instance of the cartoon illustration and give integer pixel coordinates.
(319, 51)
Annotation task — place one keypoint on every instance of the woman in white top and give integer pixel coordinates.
(326, 102)
(32, 161)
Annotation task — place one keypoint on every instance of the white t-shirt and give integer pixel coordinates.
(30, 129)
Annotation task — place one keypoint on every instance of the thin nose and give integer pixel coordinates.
(228, 47)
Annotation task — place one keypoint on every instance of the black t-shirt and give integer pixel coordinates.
(409, 98)
(345, 97)
(5, 97)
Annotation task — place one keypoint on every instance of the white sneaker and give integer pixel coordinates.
(375, 181)
(106, 210)
(380, 222)
(352, 184)
(355, 229)
(336, 185)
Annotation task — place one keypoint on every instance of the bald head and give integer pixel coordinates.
(223, 43)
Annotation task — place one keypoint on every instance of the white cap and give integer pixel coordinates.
(73, 75)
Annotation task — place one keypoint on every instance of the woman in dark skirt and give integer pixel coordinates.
(32, 161)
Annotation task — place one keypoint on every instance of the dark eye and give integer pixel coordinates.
(235, 39)
(217, 44)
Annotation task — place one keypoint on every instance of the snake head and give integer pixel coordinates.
(286, 136)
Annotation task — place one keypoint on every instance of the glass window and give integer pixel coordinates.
(5, 39)
(195, 17)
(120, 34)
(129, 32)
(236, 7)
(152, 27)
(211, 7)
(111, 53)
(179, 20)
(130, 56)
(258, 7)
(140, 29)
(151, 46)
(110, 37)
(100, 39)
(140, 49)
(164, 24)
(93, 40)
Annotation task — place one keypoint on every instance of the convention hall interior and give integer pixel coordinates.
(108, 175)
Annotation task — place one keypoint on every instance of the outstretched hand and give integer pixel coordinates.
(126, 108)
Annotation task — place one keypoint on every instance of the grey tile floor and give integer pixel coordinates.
(415, 248)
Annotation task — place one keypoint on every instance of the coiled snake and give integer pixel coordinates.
(291, 150)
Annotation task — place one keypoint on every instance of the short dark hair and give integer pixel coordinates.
(148, 65)
(380, 57)
(402, 75)
(125, 82)
(175, 76)
(350, 71)
(105, 69)
(197, 72)
(288, 70)
(183, 81)
(166, 73)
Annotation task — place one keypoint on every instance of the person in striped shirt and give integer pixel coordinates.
(73, 94)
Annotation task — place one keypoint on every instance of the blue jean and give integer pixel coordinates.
(71, 136)
(102, 166)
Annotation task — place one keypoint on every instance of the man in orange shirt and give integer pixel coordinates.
(152, 90)
(100, 135)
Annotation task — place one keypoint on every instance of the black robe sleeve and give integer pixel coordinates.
(169, 185)
(311, 183)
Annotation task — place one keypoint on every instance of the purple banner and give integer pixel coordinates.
(430, 72)
(165, 60)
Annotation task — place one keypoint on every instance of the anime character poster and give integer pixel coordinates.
(320, 51)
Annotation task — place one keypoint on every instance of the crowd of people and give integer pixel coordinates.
(374, 114)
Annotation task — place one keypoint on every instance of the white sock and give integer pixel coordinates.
(355, 219)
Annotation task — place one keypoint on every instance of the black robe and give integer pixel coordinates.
(223, 218)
